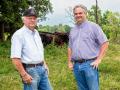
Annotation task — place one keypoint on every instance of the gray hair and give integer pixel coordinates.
(80, 6)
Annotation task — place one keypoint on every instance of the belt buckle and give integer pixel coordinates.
(81, 60)
(84, 60)
(35, 65)
(39, 64)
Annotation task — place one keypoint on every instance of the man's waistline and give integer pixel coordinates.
(33, 65)
(82, 60)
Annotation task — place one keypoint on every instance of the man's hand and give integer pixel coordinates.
(103, 49)
(24, 75)
(70, 65)
(27, 78)
(96, 63)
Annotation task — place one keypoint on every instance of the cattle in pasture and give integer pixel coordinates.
(57, 38)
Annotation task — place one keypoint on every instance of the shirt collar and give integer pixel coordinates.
(28, 30)
(82, 24)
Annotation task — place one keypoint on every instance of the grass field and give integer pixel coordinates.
(60, 76)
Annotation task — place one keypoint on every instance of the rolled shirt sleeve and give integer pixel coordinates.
(16, 46)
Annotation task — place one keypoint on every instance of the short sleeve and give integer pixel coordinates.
(100, 35)
(16, 46)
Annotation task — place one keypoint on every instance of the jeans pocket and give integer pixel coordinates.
(92, 66)
(29, 70)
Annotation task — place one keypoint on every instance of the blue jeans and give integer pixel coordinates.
(40, 79)
(87, 78)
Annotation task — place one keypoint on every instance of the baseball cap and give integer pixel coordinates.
(30, 12)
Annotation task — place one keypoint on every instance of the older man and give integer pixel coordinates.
(27, 54)
(87, 46)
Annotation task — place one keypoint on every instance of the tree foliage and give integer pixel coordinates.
(43, 7)
(55, 28)
(92, 13)
(111, 25)
(11, 12)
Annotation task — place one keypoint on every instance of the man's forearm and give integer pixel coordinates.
(70, 64)
(103, 50)
(19, 66)
(69, 55)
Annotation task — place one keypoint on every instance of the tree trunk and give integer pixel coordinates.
(2, 31)
(96, 12)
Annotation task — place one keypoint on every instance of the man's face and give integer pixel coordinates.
(30, 21)
(79, 15)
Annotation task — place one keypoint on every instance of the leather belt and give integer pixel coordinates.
(33, 65)
(82, 60)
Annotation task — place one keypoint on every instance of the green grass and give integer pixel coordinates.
(60, 76)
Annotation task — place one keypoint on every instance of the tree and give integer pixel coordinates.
(43, 7)
(67, 28)
(11, 12)
(111, 25)
(96, 12)
(92, 14)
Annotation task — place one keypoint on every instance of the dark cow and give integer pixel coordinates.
(61, 38)
(46, 37)
(56, 38)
